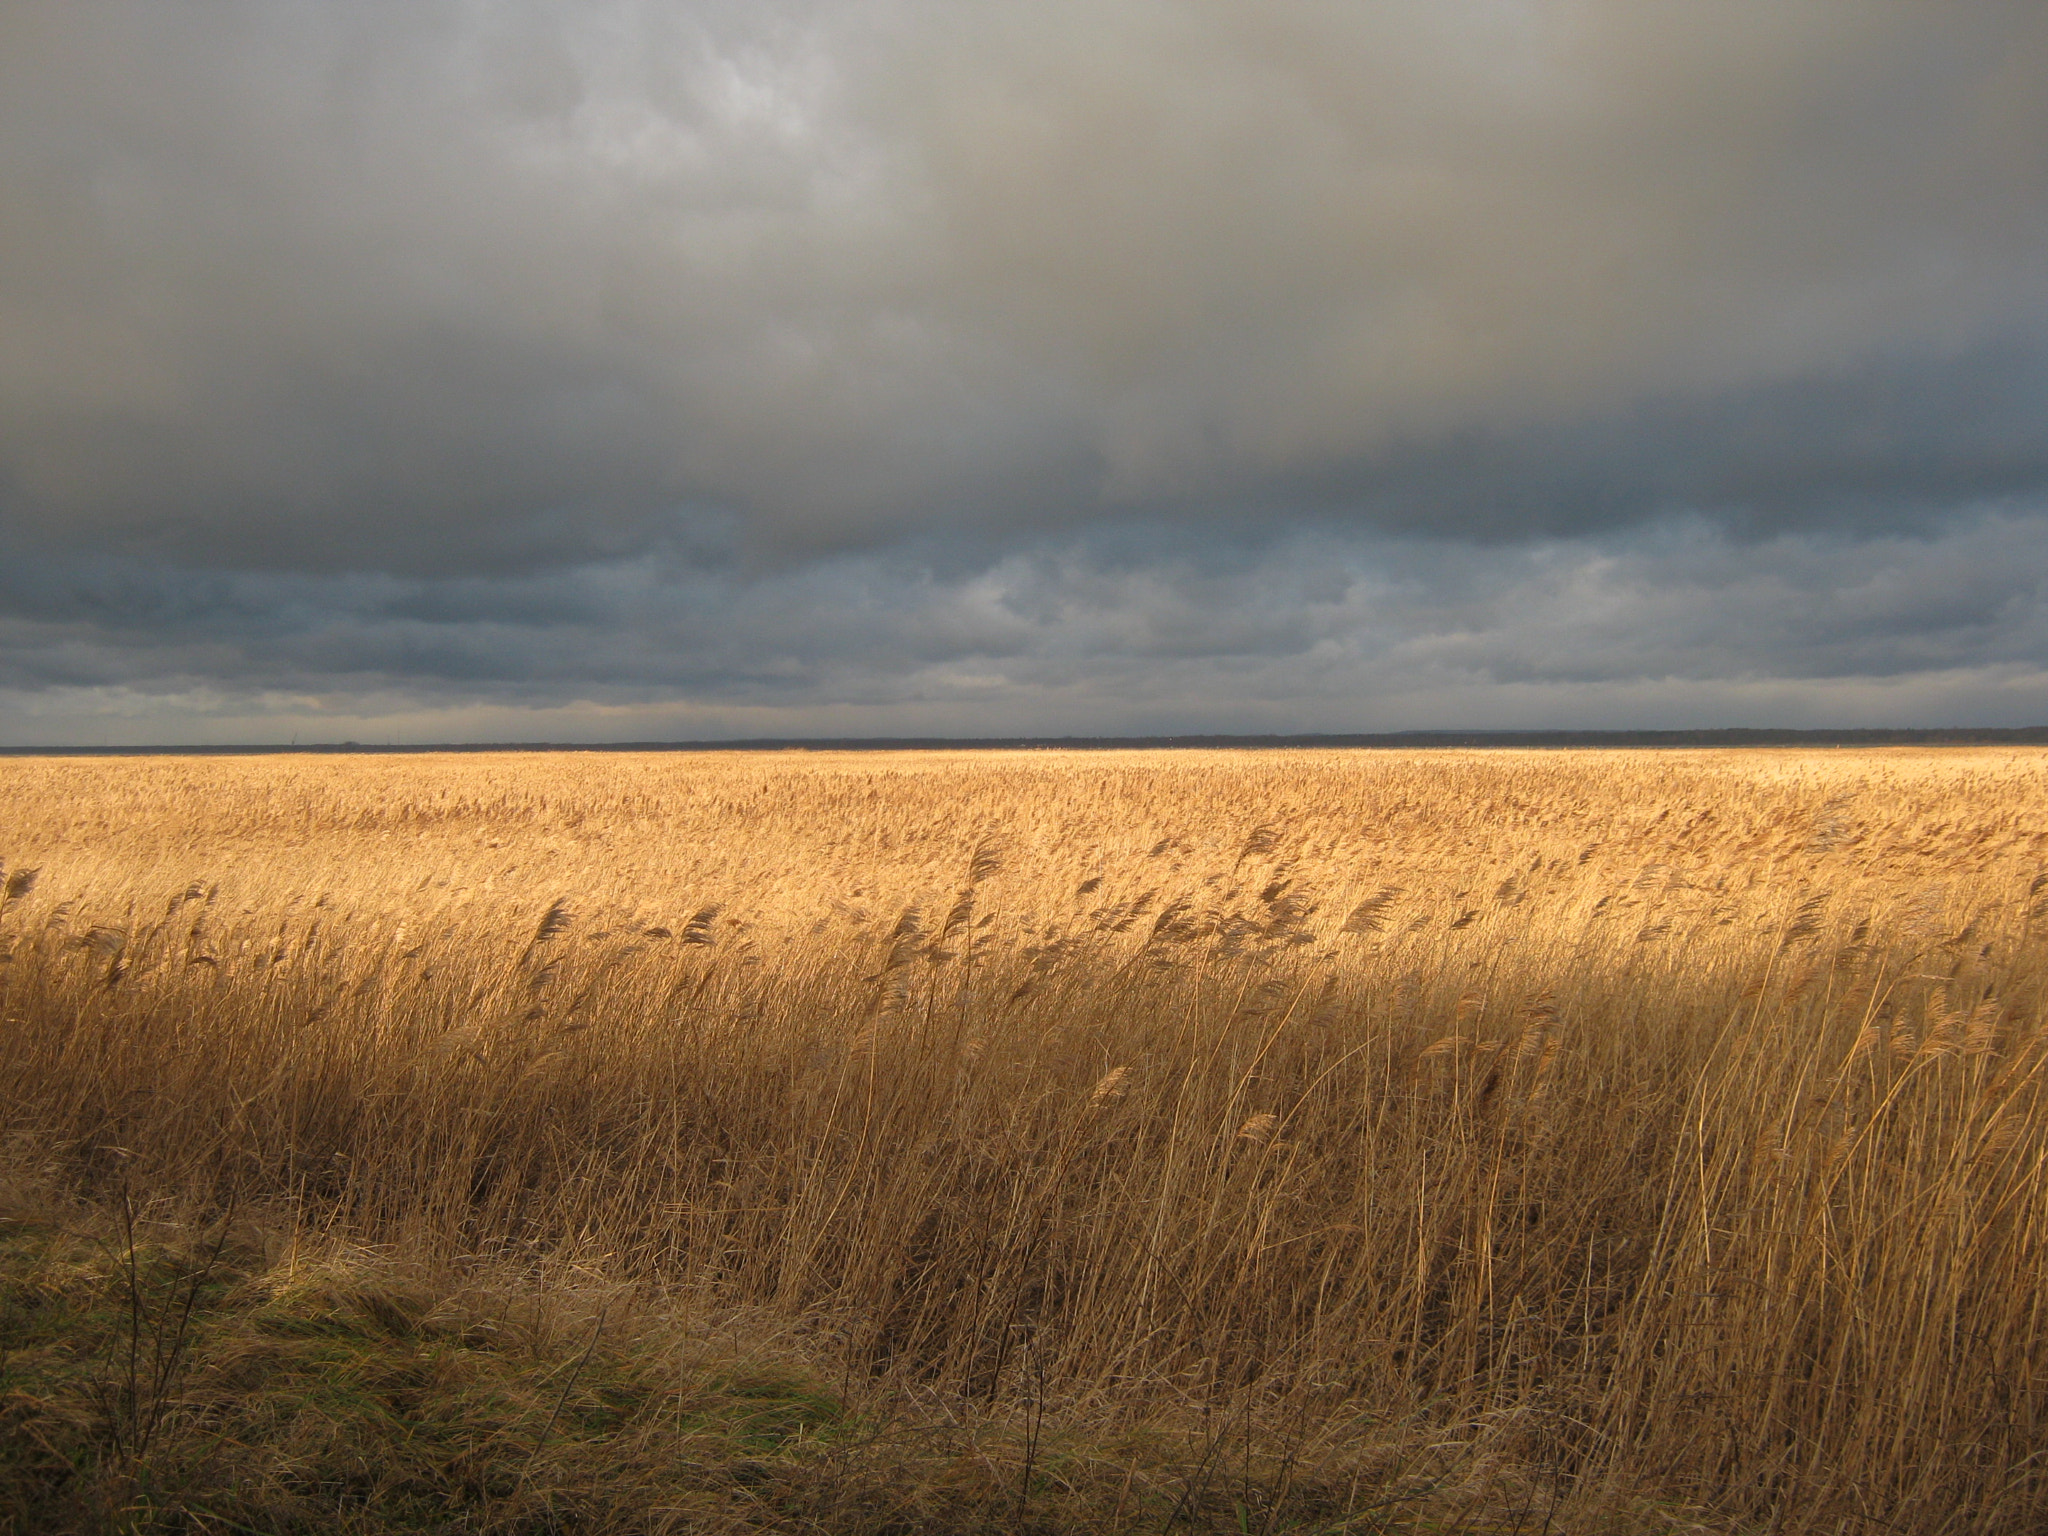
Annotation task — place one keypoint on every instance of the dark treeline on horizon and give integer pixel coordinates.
(1734, 736)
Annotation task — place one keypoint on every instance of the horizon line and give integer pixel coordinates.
(1722, 736)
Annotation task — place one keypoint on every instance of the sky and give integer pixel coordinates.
(596, 370)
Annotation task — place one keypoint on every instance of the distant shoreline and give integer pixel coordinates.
(1958, 736)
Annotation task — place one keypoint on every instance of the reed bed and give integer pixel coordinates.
(1662, 1131)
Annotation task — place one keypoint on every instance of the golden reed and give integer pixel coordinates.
(1671, 1123)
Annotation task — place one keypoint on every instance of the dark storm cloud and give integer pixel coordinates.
(1325, 628)
(1083, 355)
(1890, 445)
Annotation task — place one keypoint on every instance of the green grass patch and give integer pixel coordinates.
(279, 1398)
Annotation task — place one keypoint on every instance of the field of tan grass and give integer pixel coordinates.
(1333, 1141)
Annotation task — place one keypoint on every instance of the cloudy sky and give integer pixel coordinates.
(464, 370)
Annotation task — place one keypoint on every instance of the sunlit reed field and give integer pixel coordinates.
(1625, 1140)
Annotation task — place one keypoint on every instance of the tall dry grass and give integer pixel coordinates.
(1669, 1126)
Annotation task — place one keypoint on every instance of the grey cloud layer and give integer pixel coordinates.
(1080, 355)
(442, 285)
(1312, 628)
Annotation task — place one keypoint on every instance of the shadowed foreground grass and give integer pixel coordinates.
(170, 1379)
(1311, 1141)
